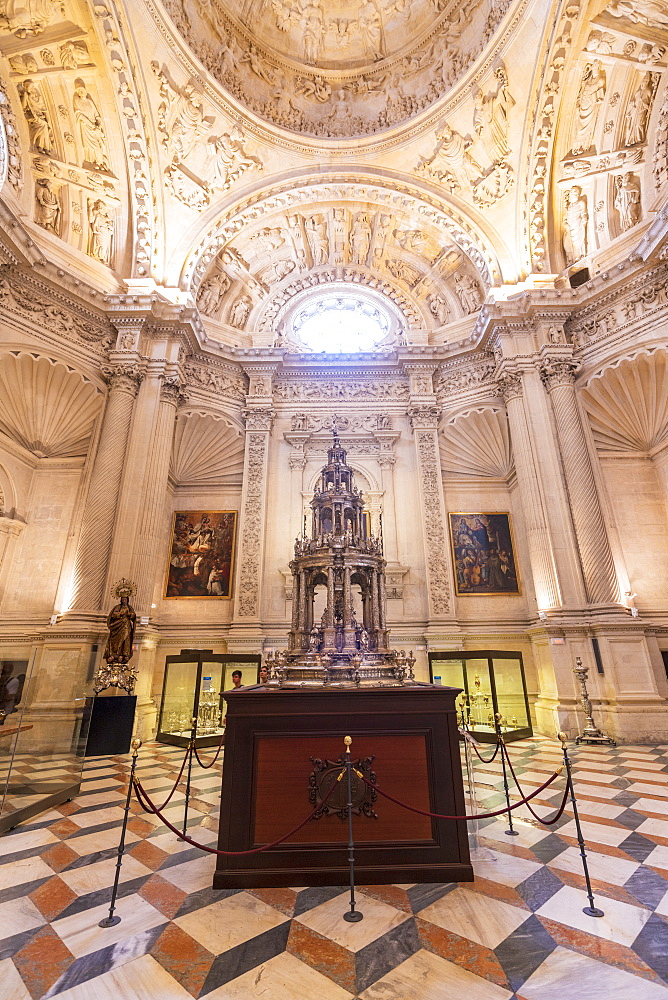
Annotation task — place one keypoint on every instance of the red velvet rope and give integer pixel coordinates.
(148, 806)
(558, 814)
(422, 812)
(176, 783)
(486, 760)
(220, 747)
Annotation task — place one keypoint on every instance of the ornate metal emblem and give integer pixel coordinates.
(332, 772)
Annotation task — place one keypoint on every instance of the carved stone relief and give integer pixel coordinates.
(627, 200)
(574, 225)
(587, 107)
(93, 138)
(37, 115)
(10, 149)
(48, 208)
(644, 297)
(100, 231)
(353, 388)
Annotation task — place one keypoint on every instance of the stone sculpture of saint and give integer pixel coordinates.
(318, 241)
(88, 118)
(212, 292)
(452, 153)
(240, 312)
(627, 201)
(360, 239)
(47, 207)
(121, 625)
(438, 307)
(37, 116)
(101, 232)
(637, 114)
(575, 221)
(653, 13)
(587, 107)
(468, 292)
(491, 118)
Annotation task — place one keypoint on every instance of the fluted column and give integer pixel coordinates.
(598, 567)
(253, 513)
(539, 542)
(390, 548)
(95, 541)
(382, 600)
(375, 617)
(295, 601)
(330, 596)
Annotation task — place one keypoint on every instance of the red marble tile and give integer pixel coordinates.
(612, 852)
(42, 961)
(64, 828)
(140, 826)
(600, 888)
(465, 953)
(52, 897)
(183, 958)
(59, 856)
(163, 895)
(148, 854)
(486, 887)
(392, 894)
(323, 955)
(603, 951)
(516, 850)
(281, 899)
(67, 808)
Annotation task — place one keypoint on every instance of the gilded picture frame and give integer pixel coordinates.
(483, 554)
(202, 547)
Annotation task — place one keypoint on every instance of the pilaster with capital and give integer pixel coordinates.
(253, 513)
(598, 567)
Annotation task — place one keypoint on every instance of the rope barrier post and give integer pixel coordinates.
(191, 750)
(510, 832)
(592, 910)
(112, 920)
(353, 915)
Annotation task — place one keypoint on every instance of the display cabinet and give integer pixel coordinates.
(493, 681)
(194, 686)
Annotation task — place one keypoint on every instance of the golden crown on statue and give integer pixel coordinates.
(123, 588)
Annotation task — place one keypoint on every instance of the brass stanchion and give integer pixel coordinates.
(191, 750)
(592, 910)
(353, 915)
(510, 832)
(112, 920)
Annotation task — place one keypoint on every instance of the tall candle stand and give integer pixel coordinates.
(591, 732)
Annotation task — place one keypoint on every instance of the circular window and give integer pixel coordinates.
(343, 321)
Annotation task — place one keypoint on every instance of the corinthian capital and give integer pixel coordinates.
(556, 372)
(424, 417)
(510, 385)
(259, 419)
(173, 391)
(124, 377)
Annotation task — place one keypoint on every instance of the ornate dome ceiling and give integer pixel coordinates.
(337, 68)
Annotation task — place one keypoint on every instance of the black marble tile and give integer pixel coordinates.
(652, 945)
(539, 887)
(204, 897)
(102, 897)
(23, 889)
(10, 945)
(524, 951)
(191, 854)
(630, 818)
(90, 859)
(548, 848)
(307, 899)
(385, 954)
(626, 799)
(421, 896)
(638, 846)
(649, 888)
(621, 783)
(235, 962)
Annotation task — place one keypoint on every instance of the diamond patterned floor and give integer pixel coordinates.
(517, 933)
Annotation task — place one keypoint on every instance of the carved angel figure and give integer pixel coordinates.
(101, 232)
(627, 200)
(47, 208)
(575, 221)
(230, 159)
(468, 292)
(88, 118)
(587, 106)
(212, 292)
(451, 159)
(37, 116)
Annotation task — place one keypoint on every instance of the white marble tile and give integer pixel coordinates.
(616, 871)
(96, 817)
(103, 840)
(505, 869)
(642, 788)
(654, 828)
(585, 790)
(11, 983)
(142, 979)
(568, 974)
(282, 978)
(662, 908)
(594, 777)
(527, 834)
(230, 922)
(192, 875)
(327, 919)
(596, 833)
(487, 921)
(100, 875)
(81, 934)
(609, 810)
(27, 870)
(18, 915)
(658, 806)
(658, 858)
(15, 841)
(424, 976)
(639, 775)
(621, 922)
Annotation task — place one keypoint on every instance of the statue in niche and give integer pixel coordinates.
(230, 159)
(575, 221)
(212, 292)
(74, 54)
(181, 118)
(101, 232)
(360, 239)
(627, 200)
(652, 13)
(37, 116)
(554, 335)
(339, 233)
(451, 161)
(491, 117)
(318, 240)
(438, 307)
(240, 312)
(468, 292)
(267, 239)
(638, 111)
(88, 118)
(587, 106)
(121, 625)
(47, 207)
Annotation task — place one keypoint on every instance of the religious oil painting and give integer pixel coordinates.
(201, 556)
(484, 555)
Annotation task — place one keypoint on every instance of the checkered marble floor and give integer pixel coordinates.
(517, 933)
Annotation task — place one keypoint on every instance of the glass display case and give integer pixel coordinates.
(194, 686)
(493, 681)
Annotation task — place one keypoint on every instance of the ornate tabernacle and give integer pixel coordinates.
(338, 650)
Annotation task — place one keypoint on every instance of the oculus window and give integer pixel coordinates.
(342, 321)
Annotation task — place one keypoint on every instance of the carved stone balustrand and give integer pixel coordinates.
(539, 542)
(253, 513)
(95, 541)
(596, 557)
